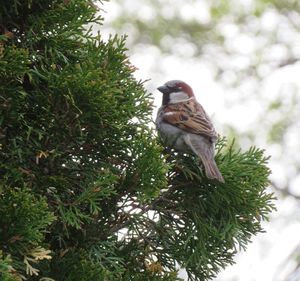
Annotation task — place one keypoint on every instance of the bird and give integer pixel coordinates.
(183, 124)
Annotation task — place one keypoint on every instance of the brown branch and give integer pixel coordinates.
(288, 61)
(126, 223)
(284, 191)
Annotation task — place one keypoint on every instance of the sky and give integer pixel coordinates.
(268, 257)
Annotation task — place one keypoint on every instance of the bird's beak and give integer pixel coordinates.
(163, 89)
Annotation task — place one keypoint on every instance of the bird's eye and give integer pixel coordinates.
(177, 89)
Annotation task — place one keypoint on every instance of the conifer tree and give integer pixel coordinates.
(87, 192)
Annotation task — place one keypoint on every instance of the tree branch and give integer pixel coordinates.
(284, 191)
(127, 222)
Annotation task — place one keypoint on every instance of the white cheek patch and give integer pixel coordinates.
(169, 113)
(176, 97)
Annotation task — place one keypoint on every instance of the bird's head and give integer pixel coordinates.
(175, 91)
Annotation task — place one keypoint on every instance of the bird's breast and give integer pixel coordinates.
(170, 135)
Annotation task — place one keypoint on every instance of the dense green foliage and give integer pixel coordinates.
(87, 192)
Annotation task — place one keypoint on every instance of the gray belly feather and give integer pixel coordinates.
(171, 136)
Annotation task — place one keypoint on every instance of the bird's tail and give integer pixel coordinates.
(203, 147)
(211, 169)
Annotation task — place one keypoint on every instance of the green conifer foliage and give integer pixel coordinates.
(87, 192)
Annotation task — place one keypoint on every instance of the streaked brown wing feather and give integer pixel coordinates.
(191, 117)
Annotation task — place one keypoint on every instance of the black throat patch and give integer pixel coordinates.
(166, 99)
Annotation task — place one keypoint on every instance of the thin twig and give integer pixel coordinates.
(126, 223)
(284, 191)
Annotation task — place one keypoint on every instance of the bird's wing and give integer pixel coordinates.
(190, 117)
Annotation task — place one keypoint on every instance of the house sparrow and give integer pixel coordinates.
(184, 125)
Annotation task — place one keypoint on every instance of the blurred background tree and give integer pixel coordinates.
(243, 59)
